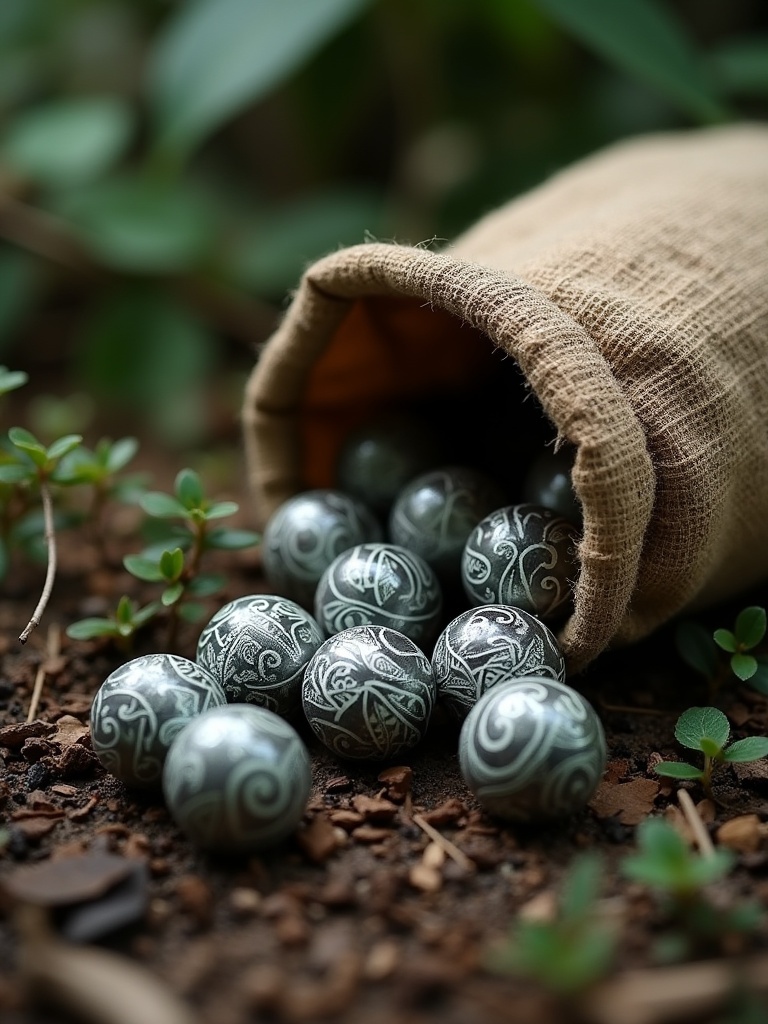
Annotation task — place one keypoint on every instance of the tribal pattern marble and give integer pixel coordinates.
(237, 779)
(487, 646)
(523, 555)
(368, 693)
(257, 648)
(140, 708)
(533, 748)
(305, 535)
(436, 512)
(380, 584)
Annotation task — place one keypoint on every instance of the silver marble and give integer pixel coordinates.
(304, 536)
(237, 779)
(368, 693)
(533, 748)
(257, 648)
(488, 646)
(139, 709)
(384, 585)
(524, 555)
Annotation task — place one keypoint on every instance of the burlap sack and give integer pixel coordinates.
(632, 292)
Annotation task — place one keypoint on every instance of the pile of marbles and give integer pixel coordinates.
(366, 670)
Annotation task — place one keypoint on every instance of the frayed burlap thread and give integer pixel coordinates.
(632, 291)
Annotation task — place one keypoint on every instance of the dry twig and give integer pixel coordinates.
(51, 651)
(450, 848)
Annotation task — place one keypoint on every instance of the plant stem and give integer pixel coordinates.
(706, 778)
(50, 539)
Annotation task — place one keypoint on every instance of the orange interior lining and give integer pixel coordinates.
(387, 353)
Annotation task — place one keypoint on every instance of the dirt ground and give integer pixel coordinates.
(385, 905)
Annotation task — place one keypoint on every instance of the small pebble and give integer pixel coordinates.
(530, 749)
(523, 555)
(237, 779)
(305, 535)
(140, 708)
(257, 648)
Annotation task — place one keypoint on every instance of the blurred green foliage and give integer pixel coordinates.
(167, 169)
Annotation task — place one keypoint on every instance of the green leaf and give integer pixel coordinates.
(28, 443)
(143, 568)
(162, 506)
(678, 770)
(743, 666)
(70, 141)
(696, 647)
(188, 489)
(125, 610)
(63, 446)
(750, 627)
(90, 629)
(221, 509)
(172, 564)
(724, 638)
(741, 66)
(192, 611)
(581, 887)
(646, 40)
(120, 454)
(753, 748)
(214, 57)
(231, 540)
(11, 379)
(205, 585)
(140, 225)
(13, 473)
(666, 862)
(172, 594)
(143, 615)
(145, 351)
(696, 724)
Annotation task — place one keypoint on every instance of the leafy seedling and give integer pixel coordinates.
(667, 864)
(120, 627)
(571, 952)
(36, 464)
(703, 651)
(178, 568)
(707, 730)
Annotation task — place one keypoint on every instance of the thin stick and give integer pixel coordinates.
(699, 829)
(450, 848)
(51, 651)
(50, 538)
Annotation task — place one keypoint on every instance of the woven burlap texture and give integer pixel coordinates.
(632, 290)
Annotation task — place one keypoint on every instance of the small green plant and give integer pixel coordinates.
(703, 650)
(120, 627)
(707, 730)
(175, 566)
(11, 379)
(571, 952)
(667, 864)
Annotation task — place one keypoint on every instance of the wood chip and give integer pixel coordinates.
(398, 782)
(55, 883)
(346, 819)
(319, 839)
(381, 961)
(744, 834)
(450, 848)
(427, 879)
(14, 736)
(80, 814)
(374, 809)
(338, 784)
(370, 834)
(69, 730)
(433, 856)
(36, 828)
(448, 813)
(631, 801)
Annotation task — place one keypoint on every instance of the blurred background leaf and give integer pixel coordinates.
(168, 168)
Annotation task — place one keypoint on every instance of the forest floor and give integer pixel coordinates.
(389, 901)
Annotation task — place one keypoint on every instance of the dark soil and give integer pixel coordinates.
(361, 916)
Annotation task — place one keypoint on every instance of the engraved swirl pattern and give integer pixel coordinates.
(141, 707)
(237, 779)
(436, 512)
(305, 535)
(521, 555)
(257, 647)
(490, 645)
(368, 693)
(380, 584)
(532, 748)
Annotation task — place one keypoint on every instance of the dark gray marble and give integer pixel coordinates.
(548, 482)
(523, 555)
(487, 646)
(368, 693)
(257, 648)
(237, 779)
(532, 749)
